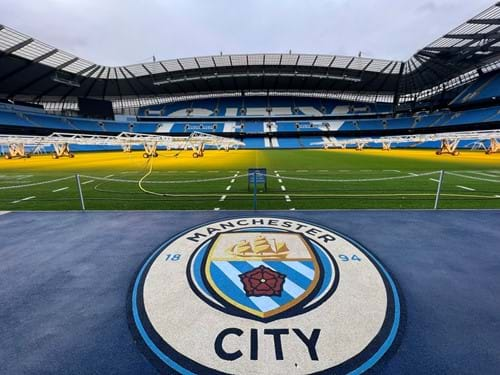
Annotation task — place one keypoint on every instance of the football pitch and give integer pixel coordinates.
(296, 179)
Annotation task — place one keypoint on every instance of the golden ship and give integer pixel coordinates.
(261, 248)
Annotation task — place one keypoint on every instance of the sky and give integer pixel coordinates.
(124, 32)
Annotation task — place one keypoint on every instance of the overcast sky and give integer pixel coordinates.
(122, 32)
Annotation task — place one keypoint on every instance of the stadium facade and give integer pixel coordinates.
(265, 100)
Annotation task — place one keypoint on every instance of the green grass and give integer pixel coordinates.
(470, 190)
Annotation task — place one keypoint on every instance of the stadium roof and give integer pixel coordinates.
(31, 70)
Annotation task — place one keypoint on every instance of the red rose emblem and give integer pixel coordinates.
(262, 281)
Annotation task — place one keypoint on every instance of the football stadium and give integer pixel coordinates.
(252, 213)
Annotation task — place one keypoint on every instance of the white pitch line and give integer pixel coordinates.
(497, 196)
(229, 187)
(433, 179)
(287, 198)
(109, 176)
(87, 182)
(412, 174)
(484, 174)
(466, 188)
(283, 188)
(302, 170)
(392, 170)
(61, 189)
(222, 199)
(24, 199)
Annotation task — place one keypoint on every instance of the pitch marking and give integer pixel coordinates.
(24, 199)
(484, 174)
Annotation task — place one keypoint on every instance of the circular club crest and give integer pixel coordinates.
(264, 295)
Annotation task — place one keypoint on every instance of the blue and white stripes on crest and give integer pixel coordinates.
(226, 274)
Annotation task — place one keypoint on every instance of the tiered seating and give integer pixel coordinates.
(287, 126)
(307, 142)
(348, 125)
(472, 116)
(426, 121)
(309, 126)
(145, 127)
(85, 125)
(11, 118)
(371, 125)
(254, 142)
(484, 88)
(258, 131)
(254, 127)
(248, 106)
(115, 126)
(289, 142)
(400, 123)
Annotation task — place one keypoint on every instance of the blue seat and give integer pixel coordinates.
(289, 142)
(254, 142)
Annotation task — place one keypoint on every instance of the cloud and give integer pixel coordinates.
(121, 32)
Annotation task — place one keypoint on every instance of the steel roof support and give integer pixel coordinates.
(38, 79)
(28, 64)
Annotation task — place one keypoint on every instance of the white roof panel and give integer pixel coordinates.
(272, 59)
(205, 62)
(256, 59)
(9, 38)
(57, 59)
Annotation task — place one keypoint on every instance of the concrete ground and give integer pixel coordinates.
(65, 279)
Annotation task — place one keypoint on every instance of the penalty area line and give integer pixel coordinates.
(24, 199)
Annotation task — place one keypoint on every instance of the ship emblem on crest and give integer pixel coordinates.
(263, 274)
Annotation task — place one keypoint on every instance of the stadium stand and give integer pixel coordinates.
(301, 132)
(268, 100)
(484, 89)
